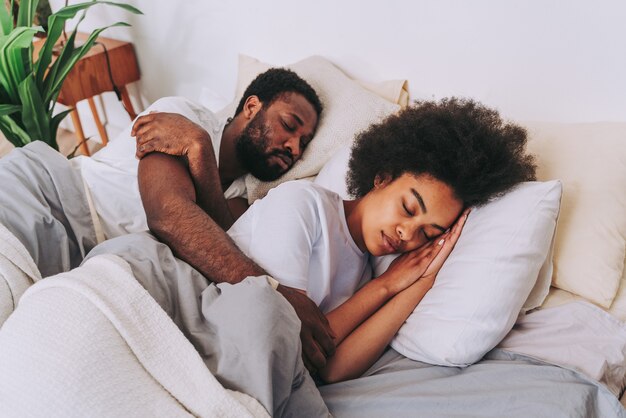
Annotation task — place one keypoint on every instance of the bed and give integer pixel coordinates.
(536, 331)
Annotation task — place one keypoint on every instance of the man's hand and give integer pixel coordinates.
(315, 333)
(169, 133)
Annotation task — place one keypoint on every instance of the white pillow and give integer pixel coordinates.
(333, 175)
(482, 287)
(348, 109)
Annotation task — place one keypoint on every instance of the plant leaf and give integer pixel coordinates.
(7, 109)
(64, 56)
(76, 55)
(13, 132)
(6, 21)
(26, 13)
(12, 68)
(54, 126)
(34, 114)
(69, 12)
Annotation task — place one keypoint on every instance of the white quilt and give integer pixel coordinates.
(92, 342)
(17, 272)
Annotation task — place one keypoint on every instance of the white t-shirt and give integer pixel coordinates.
(111, 174)
(299, 234)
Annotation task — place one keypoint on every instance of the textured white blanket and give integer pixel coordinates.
(92, 342)
(17, 272)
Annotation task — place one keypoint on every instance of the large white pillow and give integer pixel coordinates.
(483, 285)
(348, 109)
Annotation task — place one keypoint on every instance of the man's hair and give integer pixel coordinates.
(273, 83)
(457, 141)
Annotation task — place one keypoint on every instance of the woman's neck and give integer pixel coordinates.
(354, 219)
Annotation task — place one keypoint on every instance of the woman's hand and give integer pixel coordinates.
(411, 266)
(423, 263)
(169, 133)
(447, 247)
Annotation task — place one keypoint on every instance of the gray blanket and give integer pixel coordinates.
(43, 203)
(503, 384)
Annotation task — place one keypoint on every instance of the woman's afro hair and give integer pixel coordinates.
(457, 141)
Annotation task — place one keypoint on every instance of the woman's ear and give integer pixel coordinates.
(381, 180)
(251, 106)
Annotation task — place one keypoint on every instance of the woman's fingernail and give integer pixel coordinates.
(441, 242)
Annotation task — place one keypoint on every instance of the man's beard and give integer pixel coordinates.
(251, 148)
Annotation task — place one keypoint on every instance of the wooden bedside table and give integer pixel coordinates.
(90, 77)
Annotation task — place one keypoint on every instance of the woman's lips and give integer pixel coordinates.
(389, 245)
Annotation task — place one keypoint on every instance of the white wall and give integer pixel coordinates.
(533, 60)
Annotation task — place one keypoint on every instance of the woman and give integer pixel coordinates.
(412, 176)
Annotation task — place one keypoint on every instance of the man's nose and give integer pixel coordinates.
(293, 145)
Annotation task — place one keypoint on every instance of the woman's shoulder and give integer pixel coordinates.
(303, 189)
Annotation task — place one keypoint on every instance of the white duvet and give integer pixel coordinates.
(92, 342)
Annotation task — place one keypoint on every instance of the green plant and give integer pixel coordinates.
(29, 86)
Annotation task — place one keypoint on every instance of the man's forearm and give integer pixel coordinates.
(195, 238)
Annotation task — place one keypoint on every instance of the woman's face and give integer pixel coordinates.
(403, 214)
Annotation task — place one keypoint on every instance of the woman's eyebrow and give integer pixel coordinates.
(423, 206)
(419, 200)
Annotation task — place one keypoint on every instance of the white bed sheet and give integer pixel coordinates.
(577, 335)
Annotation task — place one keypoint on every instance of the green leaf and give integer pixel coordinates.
(26, 13)
(13, 132)
(76, 55)
(54, 126)
(34, 113)
(12, 66)
(69, 12)
(60, 62)
(56, 23)
(6, 21)
(7, 109)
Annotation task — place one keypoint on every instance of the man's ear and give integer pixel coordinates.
(381, 180)
(251, 106)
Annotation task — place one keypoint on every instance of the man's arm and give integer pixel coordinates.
(169, 199)
(174, 134)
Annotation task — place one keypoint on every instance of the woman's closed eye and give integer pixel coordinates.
(407, 210)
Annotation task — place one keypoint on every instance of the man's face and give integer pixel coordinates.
(276, 136)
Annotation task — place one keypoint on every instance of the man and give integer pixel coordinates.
(273, 123)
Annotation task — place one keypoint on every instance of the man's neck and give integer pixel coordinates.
(229, 166)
